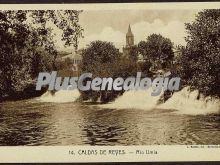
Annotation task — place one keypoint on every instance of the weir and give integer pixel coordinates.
(184, 101)
(135, 99)
(61, 96)
(187, 102)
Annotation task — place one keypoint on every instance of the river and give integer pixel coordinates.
(35, 122)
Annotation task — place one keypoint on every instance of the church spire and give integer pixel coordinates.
(129, 37)
(129, 33)
(129, 28)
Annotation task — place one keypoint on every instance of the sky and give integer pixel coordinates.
(112, 25)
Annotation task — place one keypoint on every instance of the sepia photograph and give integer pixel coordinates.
(109, 77)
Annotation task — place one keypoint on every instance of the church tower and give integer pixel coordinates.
(129, 37)
(129, 42)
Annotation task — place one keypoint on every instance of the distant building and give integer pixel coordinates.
(129, 42)
(177, 52)
(177, 55)
(141, 58)
(76, 58)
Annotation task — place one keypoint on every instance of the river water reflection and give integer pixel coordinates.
(31, 122)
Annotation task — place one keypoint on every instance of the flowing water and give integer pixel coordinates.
(132, 119)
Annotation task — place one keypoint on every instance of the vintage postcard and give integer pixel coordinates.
(125, 82)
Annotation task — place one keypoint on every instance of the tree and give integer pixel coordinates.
(100, 58)
(27, 46)
(103, 59)
(157, 50)
(133, 53)
(200, 62)
(66, 20)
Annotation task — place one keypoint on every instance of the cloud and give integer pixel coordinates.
(175, 30)
(107, 34)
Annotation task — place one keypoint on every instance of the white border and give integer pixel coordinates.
(61, 153)
(51, 154)
(115, 6)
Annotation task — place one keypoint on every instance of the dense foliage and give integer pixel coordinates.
(157, 51)
(102, 59)
(27, 47)
(200, 62)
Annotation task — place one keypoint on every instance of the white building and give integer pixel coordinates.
(75, 57)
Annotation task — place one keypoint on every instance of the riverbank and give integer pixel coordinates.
(27, 93)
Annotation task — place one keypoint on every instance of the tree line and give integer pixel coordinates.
(27, 48)
(198, 66)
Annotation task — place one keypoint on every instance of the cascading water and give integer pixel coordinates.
(134, 99)
(186, 102)
(61, 96)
